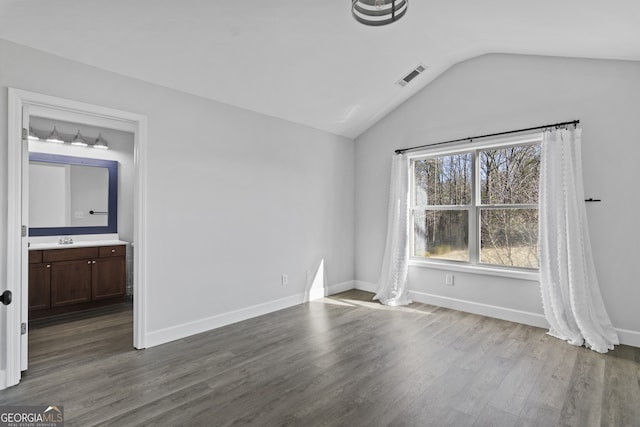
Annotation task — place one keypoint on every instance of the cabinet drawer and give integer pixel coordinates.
(35, 257)
(107, 251)
(69, 254)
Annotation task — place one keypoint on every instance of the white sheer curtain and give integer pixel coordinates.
(571, 295)
(392, 285)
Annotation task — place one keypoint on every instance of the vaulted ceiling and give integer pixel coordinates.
(309, 61)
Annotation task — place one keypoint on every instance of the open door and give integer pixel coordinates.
(24, 241)
(12, 303)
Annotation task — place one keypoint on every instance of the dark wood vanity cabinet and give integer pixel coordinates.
(70, 279)
(109, 272)
(39, 282)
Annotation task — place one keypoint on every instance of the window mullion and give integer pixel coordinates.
(473, 211)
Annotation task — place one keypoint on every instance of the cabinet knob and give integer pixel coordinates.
(93, 262)
(48, 265)
(113, 251)
(89, 262)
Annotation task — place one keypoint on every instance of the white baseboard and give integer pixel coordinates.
(315, 294)
(162, 336)
(366, 286)
(341, 287)
(628, 337)
(198, 326)
(518, 316)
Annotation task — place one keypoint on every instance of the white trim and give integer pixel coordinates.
(173, 333)
(366, 286)
(628, 337)
(341, 287)
(140, 235)
(533, 276)
(116, 119)
(315, 294)
(12, 314)
(512, 315)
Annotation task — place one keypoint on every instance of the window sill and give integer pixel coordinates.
(533, 276)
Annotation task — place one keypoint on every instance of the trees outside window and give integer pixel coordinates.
(478, 206)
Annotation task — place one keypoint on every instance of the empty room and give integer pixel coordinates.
(345, 213)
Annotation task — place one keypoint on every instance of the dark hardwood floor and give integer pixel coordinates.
(340, 361)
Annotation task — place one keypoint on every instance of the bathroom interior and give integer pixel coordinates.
(80, 220)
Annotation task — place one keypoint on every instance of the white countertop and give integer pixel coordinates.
(79, 244)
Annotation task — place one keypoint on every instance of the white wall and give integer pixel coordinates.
(495, 93)
(235, 198)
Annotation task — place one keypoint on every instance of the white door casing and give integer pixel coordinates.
(24, 243)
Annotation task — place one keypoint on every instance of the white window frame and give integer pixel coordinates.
(473, 265)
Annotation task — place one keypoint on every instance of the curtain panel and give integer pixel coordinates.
(392, 284)
(571, 297)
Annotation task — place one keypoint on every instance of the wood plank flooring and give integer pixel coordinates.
(340, 361)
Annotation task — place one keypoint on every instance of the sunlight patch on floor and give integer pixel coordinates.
(375, 305)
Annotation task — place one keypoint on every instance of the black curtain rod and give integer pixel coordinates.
(556, 125)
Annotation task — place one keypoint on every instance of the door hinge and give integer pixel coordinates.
(24, 231)
(25, 134)
(23, 328)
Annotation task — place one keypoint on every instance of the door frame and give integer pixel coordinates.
(86, 114)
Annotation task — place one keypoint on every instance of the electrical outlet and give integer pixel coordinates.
(448, 280)
(285, 279)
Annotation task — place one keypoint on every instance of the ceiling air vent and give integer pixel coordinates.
(412, 75)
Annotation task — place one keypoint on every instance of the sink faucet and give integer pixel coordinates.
(65, 240)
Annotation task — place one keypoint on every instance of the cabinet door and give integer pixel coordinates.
(108, 277)
(70, 282)
(39, 286)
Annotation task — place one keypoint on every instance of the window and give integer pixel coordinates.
(478, 206)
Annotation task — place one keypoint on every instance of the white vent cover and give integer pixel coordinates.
(412, 75)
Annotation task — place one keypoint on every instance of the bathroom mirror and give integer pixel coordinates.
(72, 195)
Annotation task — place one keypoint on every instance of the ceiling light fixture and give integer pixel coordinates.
(101, 143)
(79, 141)
(54, 137)
(378, 12)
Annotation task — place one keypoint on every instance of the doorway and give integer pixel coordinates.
(23, 105)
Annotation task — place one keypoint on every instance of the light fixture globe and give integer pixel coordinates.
(101, 143)
(378, 12)
(79, 141)
(54, 137)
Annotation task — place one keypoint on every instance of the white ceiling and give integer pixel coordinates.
(309, 61)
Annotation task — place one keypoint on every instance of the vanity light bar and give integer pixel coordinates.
(78, 140)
